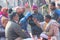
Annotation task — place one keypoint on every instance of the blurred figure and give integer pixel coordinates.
(36, 31)
(23, 10)
(58, 13)
(59, 18)
(0, 8)
(27, 7)
(24, 21)
(20, 12)
(4, 21)
(53, 13)
(10, 10)
(4, 12)
(13, 29)
(58, 5)
(50, 27)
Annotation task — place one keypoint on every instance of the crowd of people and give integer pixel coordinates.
(14, 24)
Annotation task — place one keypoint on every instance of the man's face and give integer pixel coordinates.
(18, 10)
(35, 10)
(52, 7)
(23, 10)
(16, 18)
(47, 20)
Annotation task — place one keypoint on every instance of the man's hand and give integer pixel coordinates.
(35, 20)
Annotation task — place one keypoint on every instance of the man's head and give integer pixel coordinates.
(20, 10)
(47, 18)
(14, 17)
(5, 10)
(52, 6)
(35, 8)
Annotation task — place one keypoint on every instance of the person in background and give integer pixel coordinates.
(50, 27)
(27, 7)
(10, 10)
(58, 12)
(0, 8)
(53, 13)
(4, 12)
(13, 29)
(36, 31)
(20, 12)
(4, 21)
(58, 5)
(59, 18)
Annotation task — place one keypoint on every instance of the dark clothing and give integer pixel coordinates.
(45, 39)
(2, 31)
(21, 16)
(13, 31)
(36, 30)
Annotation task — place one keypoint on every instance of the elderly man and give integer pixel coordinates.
(20, 11)
(13, 29)
(50, 27)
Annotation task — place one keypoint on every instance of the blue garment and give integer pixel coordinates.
(24, 21)
(28, 14)
(57, 12)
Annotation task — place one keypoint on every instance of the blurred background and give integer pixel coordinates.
(42, 4)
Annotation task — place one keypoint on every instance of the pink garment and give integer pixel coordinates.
(5, 14)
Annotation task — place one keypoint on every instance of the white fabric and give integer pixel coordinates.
(28, 39)
(42, 23)
(43, 35)
(53, 38)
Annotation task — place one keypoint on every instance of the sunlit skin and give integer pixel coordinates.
(4, 22)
